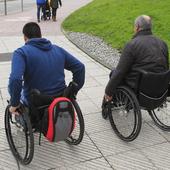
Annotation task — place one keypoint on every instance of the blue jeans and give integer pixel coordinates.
(39, 7)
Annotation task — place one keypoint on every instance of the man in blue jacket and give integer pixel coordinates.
(41, 5)
(40, 65)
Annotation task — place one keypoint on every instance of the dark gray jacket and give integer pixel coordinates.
(144, 51)
(55, 3)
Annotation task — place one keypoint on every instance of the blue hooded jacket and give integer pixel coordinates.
(40, 65)
(40, 2)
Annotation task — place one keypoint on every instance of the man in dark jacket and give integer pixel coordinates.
(144, 51)
(40, 65)
(54, 5)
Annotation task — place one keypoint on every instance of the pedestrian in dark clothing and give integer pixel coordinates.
(47, 10)
(41, 5)
(144, 51)
(54, 5)
(40, 65)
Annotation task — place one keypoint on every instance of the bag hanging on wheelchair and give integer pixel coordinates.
(59, 120)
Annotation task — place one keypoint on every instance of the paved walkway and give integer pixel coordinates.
(100, 148)
(14, 6)
(11, 25)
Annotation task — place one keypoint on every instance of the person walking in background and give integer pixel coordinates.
(41, 6)
(54, 5)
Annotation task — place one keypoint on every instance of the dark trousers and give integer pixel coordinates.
(39, 8)
(54, 11)
(40, 103)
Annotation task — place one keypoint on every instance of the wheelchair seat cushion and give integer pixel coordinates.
(58, 120)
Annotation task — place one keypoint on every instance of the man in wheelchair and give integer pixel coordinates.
(143, 52)
(40, 65)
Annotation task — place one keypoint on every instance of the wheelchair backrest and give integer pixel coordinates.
(153, 89)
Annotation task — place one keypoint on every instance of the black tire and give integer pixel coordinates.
(161, 116)
(105, 112)
(78, 132)
(125, 114)
(22, 149)
(105, 109)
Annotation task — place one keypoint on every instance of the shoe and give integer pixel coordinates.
(38, 20)
(54, 18)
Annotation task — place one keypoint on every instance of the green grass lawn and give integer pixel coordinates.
(113, 20)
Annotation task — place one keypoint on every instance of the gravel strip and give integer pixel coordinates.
(96, 48)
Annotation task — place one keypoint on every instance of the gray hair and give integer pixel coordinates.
(143, 22)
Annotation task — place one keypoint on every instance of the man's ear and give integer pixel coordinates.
(137, 28)
(25, 38)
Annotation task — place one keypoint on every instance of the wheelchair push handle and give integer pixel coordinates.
(71, 90)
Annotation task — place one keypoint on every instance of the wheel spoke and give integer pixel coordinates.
(21, 144)
(161, 116)
(126, 115)
(78, 132)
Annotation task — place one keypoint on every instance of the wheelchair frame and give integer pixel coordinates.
(27, 156)
(150, 94)
(122, 94)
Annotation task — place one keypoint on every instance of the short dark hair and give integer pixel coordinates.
(32, 30)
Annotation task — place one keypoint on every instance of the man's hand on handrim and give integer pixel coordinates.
(13, 109)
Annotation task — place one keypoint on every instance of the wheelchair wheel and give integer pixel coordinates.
(105, 109)
(125, 114)
(19, 135)
(78, 132)
(161, 116)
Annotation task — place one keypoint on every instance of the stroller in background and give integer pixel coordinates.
(47, 11)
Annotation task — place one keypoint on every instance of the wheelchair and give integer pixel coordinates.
(151, 95)
(20, 134)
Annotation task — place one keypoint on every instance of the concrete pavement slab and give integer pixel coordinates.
(88, 107)
(136, 160)
(3, 141)
(95, 164)
(95, 123)
(159, 155)
(62, 154)
(109, 144)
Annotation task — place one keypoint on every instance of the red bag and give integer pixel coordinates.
(59, 120)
